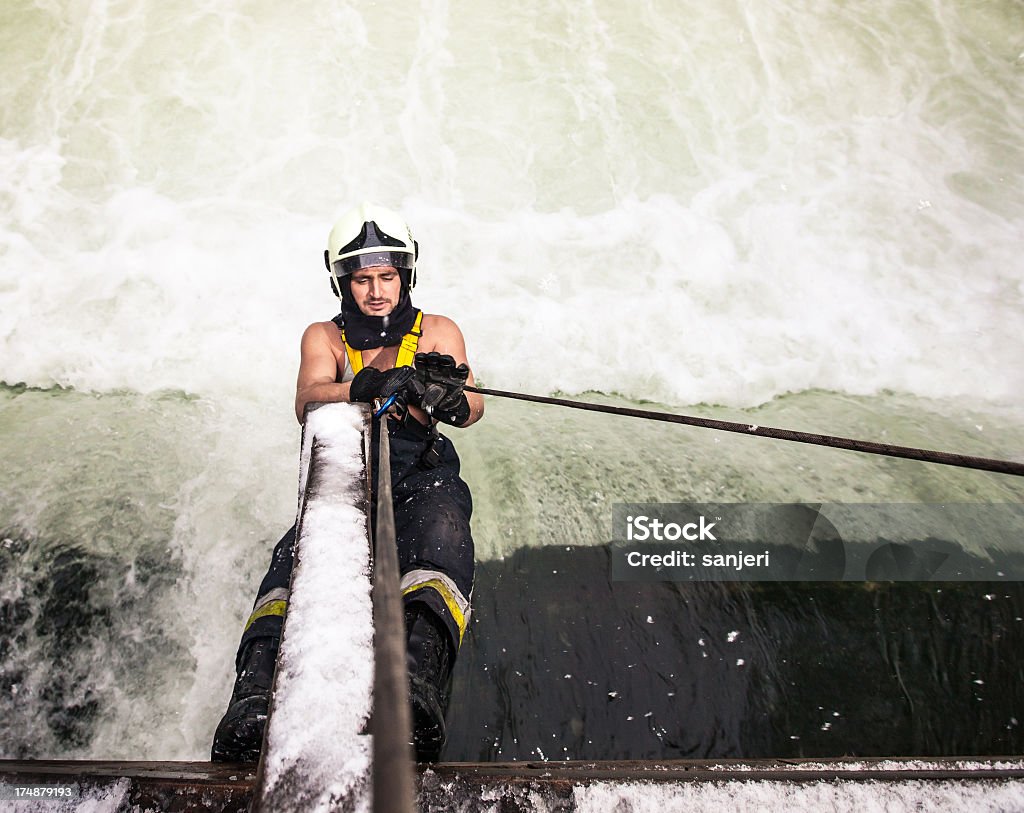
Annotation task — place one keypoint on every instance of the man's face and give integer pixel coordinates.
(376, 290)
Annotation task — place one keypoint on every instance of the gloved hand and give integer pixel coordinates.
(370, 384)
(437, 388)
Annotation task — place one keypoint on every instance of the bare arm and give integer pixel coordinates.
(448, 339)
(318, 371)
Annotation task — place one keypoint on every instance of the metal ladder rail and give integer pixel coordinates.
(393, 780)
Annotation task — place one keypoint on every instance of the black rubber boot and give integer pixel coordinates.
(239, 736)
(430, 657)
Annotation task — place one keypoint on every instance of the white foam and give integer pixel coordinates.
(682, 205)
(891, 797)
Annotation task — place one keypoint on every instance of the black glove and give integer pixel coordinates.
(370, 383)
(437, 388)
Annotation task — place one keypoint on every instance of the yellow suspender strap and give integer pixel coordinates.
(410, 341)
(355, 358)
(406, 353)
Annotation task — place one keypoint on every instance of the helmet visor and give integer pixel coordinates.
(352, 263)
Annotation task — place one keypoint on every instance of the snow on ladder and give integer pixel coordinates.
(318, 753)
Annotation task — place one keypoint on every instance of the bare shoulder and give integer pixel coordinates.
(322, 350)
(442, 335)
(321, 332)
(440, 325)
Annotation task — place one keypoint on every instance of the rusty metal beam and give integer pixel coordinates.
(179, 786)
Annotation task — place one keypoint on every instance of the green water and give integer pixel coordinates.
(135, 528)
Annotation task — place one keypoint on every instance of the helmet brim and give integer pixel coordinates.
(396, 259)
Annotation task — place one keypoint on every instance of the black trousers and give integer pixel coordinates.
(432, 507)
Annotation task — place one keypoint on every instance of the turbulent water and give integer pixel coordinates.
(806, 217)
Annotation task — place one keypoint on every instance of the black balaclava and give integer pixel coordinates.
(363, 332)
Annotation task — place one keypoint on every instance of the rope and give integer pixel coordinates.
(867, 446)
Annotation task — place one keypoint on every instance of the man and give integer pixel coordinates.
(366, 354)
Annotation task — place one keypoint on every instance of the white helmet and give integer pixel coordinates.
(366, 236)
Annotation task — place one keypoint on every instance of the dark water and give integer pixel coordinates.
(562, 663)
(81, 641)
